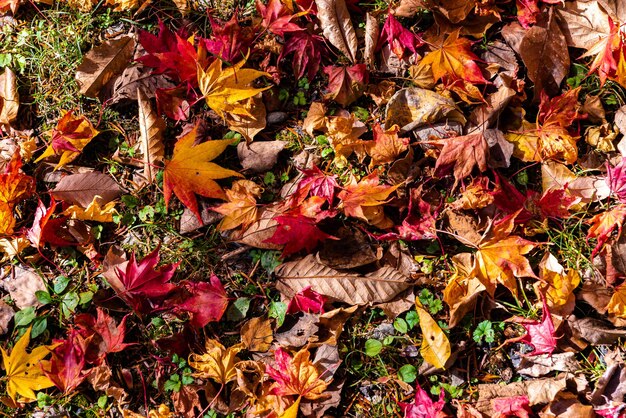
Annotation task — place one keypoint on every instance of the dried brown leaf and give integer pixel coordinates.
(81, 189)
(151, 127)
(337, 27)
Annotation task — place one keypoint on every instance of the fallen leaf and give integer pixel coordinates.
(22, 284)
(102, 63)
(251, 123)
(151, 128)
(217, 363)
(6, 314)
(256, 335)
(66, 366)
(259, 156)
(337, 27)
(435, 348)
(387, 146)
(544, 364)
(539, 334)
(517, 406)
(190, 171)
(241, 206)
(84, 188)
(345, 84)
(307, 50)
(24, 371)
(207, 301)
(9, 97)
(364, 200)
(307, 301)
(557, 285)
(93, 211)
(296, 375)
(464, 153)
(423, 406)
(103, 334)
(376, 287)
(398, 37)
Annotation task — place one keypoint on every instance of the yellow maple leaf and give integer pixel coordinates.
(163, 411)
(93, 212)
(462, 289)
(500, 257)
(24, 371)
(225, 89)
(241, 207)
(617, 304)
(218, 363)
(557, 284)
(190, 171)
(435, 348)
(69, 137)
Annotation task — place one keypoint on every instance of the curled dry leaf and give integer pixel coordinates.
(103, 63)
(151, 127)
(9, 98)
(337, 26)
(379, 286)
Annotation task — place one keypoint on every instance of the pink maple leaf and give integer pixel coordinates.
(308, 301)
(48, 230)
(513, 406)
(316, 183)
(106, 336)
(418, 224)
(398, 37)
(229, 40)
(616, 180)
(539, 334)
(423, 406)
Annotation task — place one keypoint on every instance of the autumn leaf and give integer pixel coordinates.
(364, 200)
(9, 97)
(453, 58)
(224, 89)
(557, 285)
(229, 40)
(14, 187)
(257, 335)
(217, 363)
(345, 84)
(66, 366)
(306, 300)
(500, 256)
(463, 153)
(93, 212)
(398, 37)
(190, 171)
(419, 223)
(387, 146)
(517, 406)
(423, 406)
(307, 53)
(435, 348)
(70, 136)
(207, 301)
(241, 207)
(24, 371)
(315, 182)
(605, 52)
(617, 303)
(277, 18)
(463, 289)
(539, 334)
(139, 282)
(296, 375)
(603, 224)
(49, 230)
(103, 334)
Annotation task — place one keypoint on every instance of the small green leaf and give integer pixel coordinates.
(373, 347)
(238, 310)
(43, 297)
(60, 284)
(69, 302)
(401, 325)
(24, 317)
(407, 373)
(39, 326)
(412, 319)
(277, 310)
(102, 401)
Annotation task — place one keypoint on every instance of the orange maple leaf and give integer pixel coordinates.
(364, 200)
(14, 186)
(189, 172)
(604, 52)
(241, 208)
(454, 59)
(603, 224)
(463, 152)
(500, 256)
(296, 375)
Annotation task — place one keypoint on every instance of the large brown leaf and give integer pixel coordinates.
(338, 29)
(151, 127)
(9, 99)
(379, 286)
(544, 52)
(102, 63)
(584, 23)
(80, 189)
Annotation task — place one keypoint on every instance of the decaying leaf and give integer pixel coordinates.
(436, 348)
(9, 97)
(151, 128)
(337, 26)
(84, 188)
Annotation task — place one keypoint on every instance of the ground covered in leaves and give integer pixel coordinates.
(312, 208)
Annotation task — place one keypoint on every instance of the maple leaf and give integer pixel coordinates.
(277, 17)
(454, 59)
(423, 406)
(297, 228)
(603, 224)
(512, 406)
(174, 102)
(463, 152)
(500, 256)
(539, 334)
(364, 200)
(69, 137)
(345, 84)
(47, 230)
(316, 183)
(217, 363)
(229, 40)
(387, 146)
(140, 282)
(296, 375)
(617, 303)
(306, 300)
(66, 366)
(224, 89)
(605, 52)
(105, 336)
(207, 301)
(528, 10)
(616, 179)
(93, 212)
(190, 171)
(14, 187)
(435, 348)
(171, 54)
(241, 207)
(307, 52)
(398, 37)
(24, 371)
(556, 284)
(343, 131)
(419, 222)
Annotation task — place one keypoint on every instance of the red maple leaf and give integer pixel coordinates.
(398, 37)
(276, 18)
(307, 52)
(171, 54)
(539, 334)
(316, 183)
(423, 406)
(297, 228)
(512, 406)
(207, 301)
(528, 10)
(308, 301)
(229, 40)
(47, 230)
(616, 180)
(175, 102)
(418, 224)
(603, 224)
(67, 364)
(345, 84)
(105, 335)
(140, 282)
